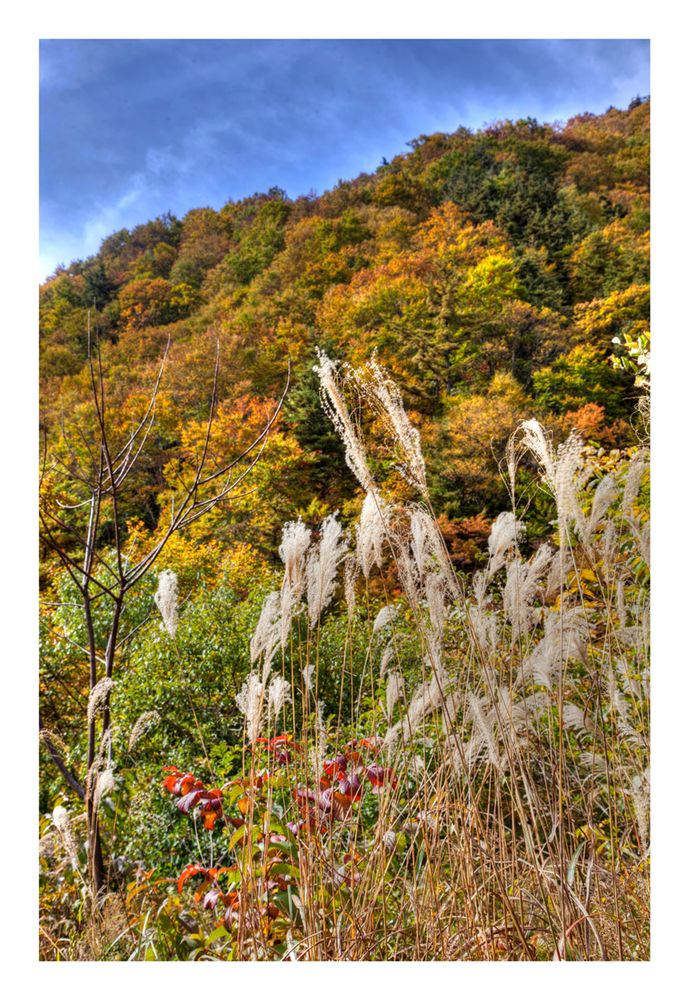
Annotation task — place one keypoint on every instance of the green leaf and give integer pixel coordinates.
(219, 932)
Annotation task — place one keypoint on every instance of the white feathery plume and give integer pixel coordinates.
(512, 454)
(482, 732)
(428, 697)
(632, 485)
(103, 756)
(516, 719)
(322, 565)
(624, 727)
(503, 539)
(630, 684)
(64, 828)
(595, 763)
(418, 525)
(609, 548)
(250, 701)
(640, 793)
(50, 737)
(417, 766)
(644, 682)
(539, 444)
(166, 599)
(536, 567)
(573, 718)
(376, 383)
(105, 783)
(393, 692)
(47, 844)
(268, 631)
(480, 587)
(621, 603)
(522, 714)
(568, 632)
(605, 494)
(503, 706)
(434, 652)
(60, 817)
(521, 585)
(484, 625)
(390, 840)
(350, 575)
(145, 722)
(556, 579)
(279, 695)
(564, 638)
(631, 636)
(388, 654)
(287, 604)
(436, 585)
(472, 751)
(453, 703)
(637, 636)
(296, 539)
(426, 543)
(407, 571)
(513, 718)
(101, 762)
(562, 471)
(642, 537)
(385, 617)
(334, 405)
(429, 546)
(570, 475)
(309, 674)
(98, 697)
(370, 533)
(392, 735)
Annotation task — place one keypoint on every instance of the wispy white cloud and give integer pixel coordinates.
(62, 245)
(131, 129)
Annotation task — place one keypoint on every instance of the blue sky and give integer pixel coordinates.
(133, 128)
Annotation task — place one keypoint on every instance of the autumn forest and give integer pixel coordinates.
(344, 571)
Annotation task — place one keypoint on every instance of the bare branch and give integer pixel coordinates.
(150, 408)
(132, 632)
(66, 638)
(56, 757)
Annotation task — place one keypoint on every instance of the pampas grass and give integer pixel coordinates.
(507, 717)
(166, 599)
(322, 566)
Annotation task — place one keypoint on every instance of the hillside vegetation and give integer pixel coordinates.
(344, 553)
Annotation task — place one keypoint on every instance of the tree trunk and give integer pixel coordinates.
(96, 867)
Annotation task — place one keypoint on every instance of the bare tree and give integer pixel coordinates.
(72, 532)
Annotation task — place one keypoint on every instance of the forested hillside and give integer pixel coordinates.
(345, 565)
(489, 270)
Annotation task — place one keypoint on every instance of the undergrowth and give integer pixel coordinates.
(459, 770)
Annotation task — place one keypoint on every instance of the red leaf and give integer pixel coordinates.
(379, 776)
(210, 818)
(188, 801)
(211, 898)
(187, 873)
